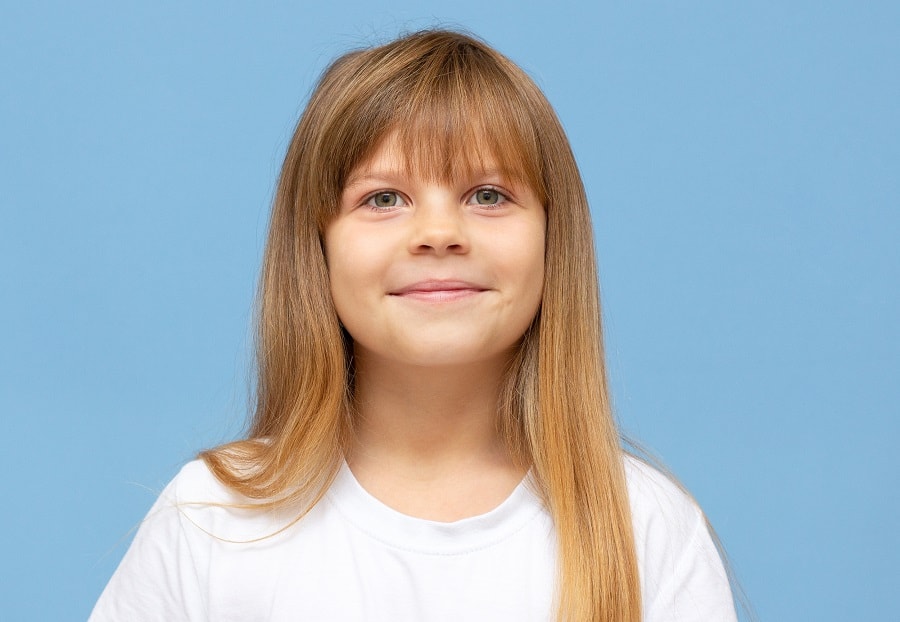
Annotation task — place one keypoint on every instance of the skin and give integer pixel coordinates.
(436, 282)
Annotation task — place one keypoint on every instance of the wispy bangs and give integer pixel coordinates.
(453, 113)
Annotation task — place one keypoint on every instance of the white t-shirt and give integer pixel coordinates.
(352, 558)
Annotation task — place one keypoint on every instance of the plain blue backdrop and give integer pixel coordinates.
(742, 163)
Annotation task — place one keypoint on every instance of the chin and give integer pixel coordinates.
(452, 356)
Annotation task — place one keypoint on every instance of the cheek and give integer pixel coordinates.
(536, 272)
(356, 269)
(526, 257)
(341, 273)
(522, 261)
(534, 282)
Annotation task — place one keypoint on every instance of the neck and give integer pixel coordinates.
(426, 439)
(427, 416)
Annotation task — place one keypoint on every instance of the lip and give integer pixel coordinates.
(438, 290)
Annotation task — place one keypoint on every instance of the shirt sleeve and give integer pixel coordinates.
(157, 579)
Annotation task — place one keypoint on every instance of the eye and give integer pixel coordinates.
(385, 199)
(487, 196)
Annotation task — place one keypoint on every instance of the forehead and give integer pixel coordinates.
(403, 156)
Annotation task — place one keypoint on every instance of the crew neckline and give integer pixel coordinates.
(393, 528)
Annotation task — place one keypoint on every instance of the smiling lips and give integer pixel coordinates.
(438, 291)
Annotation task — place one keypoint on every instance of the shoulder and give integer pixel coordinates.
(657, 500)
(190, 532)
(665, 518)
(195, 483)
(210, 513)
(157, 577)
(682, 574)
(193, 489)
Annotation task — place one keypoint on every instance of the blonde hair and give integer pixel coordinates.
(450, 100)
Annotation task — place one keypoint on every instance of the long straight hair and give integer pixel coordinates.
(452, 102)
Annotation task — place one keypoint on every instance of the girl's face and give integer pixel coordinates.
(434, 273)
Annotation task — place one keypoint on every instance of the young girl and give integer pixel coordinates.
(432, 437)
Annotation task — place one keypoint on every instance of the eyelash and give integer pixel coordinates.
(502, 198)
(370, 201)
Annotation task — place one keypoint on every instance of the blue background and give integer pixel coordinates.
(742, 161)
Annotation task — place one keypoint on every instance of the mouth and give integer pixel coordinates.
(435, 290)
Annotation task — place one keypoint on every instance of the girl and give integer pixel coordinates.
(432, 437)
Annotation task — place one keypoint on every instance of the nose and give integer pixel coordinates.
(439, 227)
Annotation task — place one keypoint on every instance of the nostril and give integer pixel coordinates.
(439, 240)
